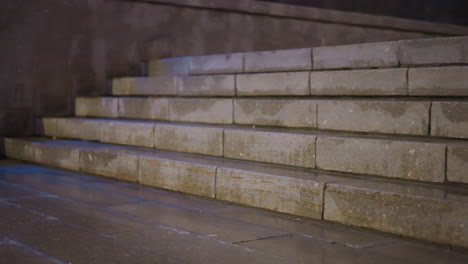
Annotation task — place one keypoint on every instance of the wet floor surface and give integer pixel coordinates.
(53, 216)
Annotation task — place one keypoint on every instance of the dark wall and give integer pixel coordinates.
(441, 11)
(55, 50)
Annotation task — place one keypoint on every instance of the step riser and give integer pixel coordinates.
(337, 201)
(371, 55)
(399, 214)
(388, 158)
(431, 81)
(444, 119)
(379, 157)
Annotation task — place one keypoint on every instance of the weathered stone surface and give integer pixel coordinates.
(77, 128)
(278, 60)
(187, 138)
(117, 166)
(449, 119)
(214, 85)
(438, 81)
(434, 51)
(50, 126)
(159, 85)
(286, 113)
(278, 193)
(384, 54)
(169, 67)
(222, 63)
(282, 83)
(390, 158)
(406, 211)
(359, 82)
(18, 149)
(144, 108)
(57, 156)
(375, 116)
(175, 175)
(97, 106)
(201, 110)
(457, 163)
(128, 133)
(271, 147)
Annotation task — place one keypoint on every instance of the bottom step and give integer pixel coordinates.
(423, 211)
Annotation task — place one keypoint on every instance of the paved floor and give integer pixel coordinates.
(52, 216)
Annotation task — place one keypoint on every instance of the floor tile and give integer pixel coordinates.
(194, 249)
(72, 245)
(91, 218)
(194, 221)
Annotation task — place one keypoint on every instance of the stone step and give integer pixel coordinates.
(393, 206)
(401, 82)
(394, 157)
(402, 117)
(439, 51)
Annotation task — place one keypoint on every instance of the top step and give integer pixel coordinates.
(439, 51)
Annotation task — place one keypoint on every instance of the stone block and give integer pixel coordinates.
(194, 178)
(384, 54)
(282, 83)
(97, 106)
(169, 67)
(211, 64)
(77, 128)
(272, 147)
(413, 214)
(128, 133)
(457, 163)
(50, 126)
(449, 119)
(188, 138)
(283, 112)
(19, 149)
(217, 111)
(58, 156)
(113, 165)
(144, 108)
(284, 194)
(434, 51)
(359, 82)
(375, 116)
(438, 81)
(389, 158)
(214, 85)
(278, 60)
(158, 85)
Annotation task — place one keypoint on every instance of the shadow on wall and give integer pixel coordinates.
(446, 11)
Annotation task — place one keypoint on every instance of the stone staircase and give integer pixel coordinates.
(369, 135)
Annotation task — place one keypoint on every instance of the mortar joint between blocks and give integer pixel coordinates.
(407, 82)
(215, 194)
(446, 164)
(429, 125)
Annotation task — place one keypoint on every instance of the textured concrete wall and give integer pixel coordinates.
(447, 11)
(54, 50)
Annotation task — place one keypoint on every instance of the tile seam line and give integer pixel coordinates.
(262, 238)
